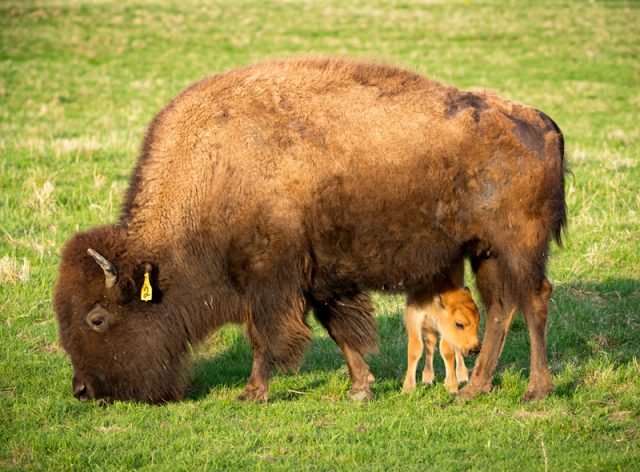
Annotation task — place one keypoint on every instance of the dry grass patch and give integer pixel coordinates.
(14, 272)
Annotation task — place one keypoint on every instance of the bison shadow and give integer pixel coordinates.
(587, 319)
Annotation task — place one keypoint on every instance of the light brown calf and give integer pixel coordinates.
(450, 312)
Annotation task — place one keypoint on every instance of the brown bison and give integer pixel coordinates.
(269, 191)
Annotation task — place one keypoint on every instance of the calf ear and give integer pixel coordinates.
(438, 300)
(467, 289)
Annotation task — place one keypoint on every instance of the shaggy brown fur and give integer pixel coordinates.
(266, 191)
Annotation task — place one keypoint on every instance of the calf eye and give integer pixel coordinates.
(459, 325)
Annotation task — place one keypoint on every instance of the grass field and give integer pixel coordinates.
(79, 82)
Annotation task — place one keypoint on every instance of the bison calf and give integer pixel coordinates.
(446, 309)
(266, 192)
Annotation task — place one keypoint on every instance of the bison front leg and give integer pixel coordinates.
(361, 376)
(257, 388)
(279, 337)
(350, 323)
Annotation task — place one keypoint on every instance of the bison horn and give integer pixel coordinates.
(110, 272)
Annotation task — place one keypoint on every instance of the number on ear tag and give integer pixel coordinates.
(146, 292)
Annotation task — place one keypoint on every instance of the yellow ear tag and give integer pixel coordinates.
(146, 292)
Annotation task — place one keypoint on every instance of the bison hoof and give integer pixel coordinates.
(537, 392)
(361, 394)
(471, 391)
(257, 395)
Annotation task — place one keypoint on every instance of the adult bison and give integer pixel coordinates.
(268, 191)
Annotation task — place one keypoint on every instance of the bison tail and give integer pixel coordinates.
(559, 225)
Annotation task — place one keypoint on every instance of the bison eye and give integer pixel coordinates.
(97, 319)
(459, 325)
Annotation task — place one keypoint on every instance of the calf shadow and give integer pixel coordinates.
(586, 319)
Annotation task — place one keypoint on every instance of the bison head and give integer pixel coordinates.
(121, 348)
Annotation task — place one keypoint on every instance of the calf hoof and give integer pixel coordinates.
(408, 387)
(471, 391)
(534, 393)
(259, 395)
(428, 380)
(452, 389)
(361, 394)
(462, 378)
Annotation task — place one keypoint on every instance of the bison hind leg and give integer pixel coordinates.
(532, 290)
(507, 285)
(501, 307)
(535, 310)
(350, 323)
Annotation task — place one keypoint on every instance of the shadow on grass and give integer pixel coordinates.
(586, 319)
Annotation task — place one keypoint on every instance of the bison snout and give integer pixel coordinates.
(80, 392)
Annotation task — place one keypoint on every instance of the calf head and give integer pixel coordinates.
(459, 320)
(121, 348)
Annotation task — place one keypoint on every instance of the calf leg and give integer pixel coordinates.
(350, 323)
(413, 317)
(535, 311)
(428, 374)
(448, 356)
(462, 373)
(500, 313)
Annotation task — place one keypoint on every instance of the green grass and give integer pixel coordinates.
(79, 82)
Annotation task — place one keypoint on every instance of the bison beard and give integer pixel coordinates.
(266, 192)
